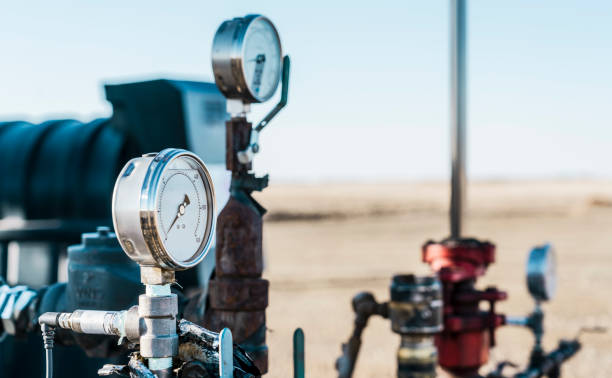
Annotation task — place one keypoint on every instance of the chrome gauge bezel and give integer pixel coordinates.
(140, 182)
(227, 59)
(542, 272)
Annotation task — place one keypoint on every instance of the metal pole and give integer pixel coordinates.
(298, 354)
(226, 354)
(458, 114)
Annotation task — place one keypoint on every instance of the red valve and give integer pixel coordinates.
(469, 333)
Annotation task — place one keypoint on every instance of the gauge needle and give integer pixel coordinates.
(180, 212)
(258, 59)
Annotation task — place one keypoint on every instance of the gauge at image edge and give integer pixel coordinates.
(247, 58)
(172, 226)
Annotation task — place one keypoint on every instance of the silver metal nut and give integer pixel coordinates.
(166, 305)
(159, 346)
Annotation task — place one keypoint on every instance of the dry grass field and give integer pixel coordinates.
(325, 243)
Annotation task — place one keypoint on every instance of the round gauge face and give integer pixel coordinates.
(542, 273)
(182, 209)
(550, 285)
(247, 59)
(261, 58)
(163, 209)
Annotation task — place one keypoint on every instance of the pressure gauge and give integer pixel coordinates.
(542, 273)
(246, 58)
(163, 209)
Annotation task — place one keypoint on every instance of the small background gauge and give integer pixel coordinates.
(542, 273)
(246, 58)
(163, 209)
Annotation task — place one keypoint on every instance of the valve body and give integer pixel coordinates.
(415, 311)
(469, 333)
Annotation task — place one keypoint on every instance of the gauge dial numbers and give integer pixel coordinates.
(262, 58)
(172, 226)
(247, 58)
(181, 209)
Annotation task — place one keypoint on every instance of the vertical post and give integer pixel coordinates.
(226, 354)
(298, 354)
(458, 114)
(239, 255)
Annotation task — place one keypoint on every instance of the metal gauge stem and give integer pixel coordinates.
(246, 58)
(163, 209)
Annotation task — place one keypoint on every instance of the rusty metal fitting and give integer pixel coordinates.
(238, 295)
(239, 241)
(248, 294)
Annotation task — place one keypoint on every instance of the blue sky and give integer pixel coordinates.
(370, 92)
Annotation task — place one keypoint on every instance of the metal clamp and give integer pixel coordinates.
(246, 156)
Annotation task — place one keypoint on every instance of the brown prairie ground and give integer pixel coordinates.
(325, 243)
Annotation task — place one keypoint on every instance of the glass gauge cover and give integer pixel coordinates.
(542, 273)
(247, 58)
(163, 209)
